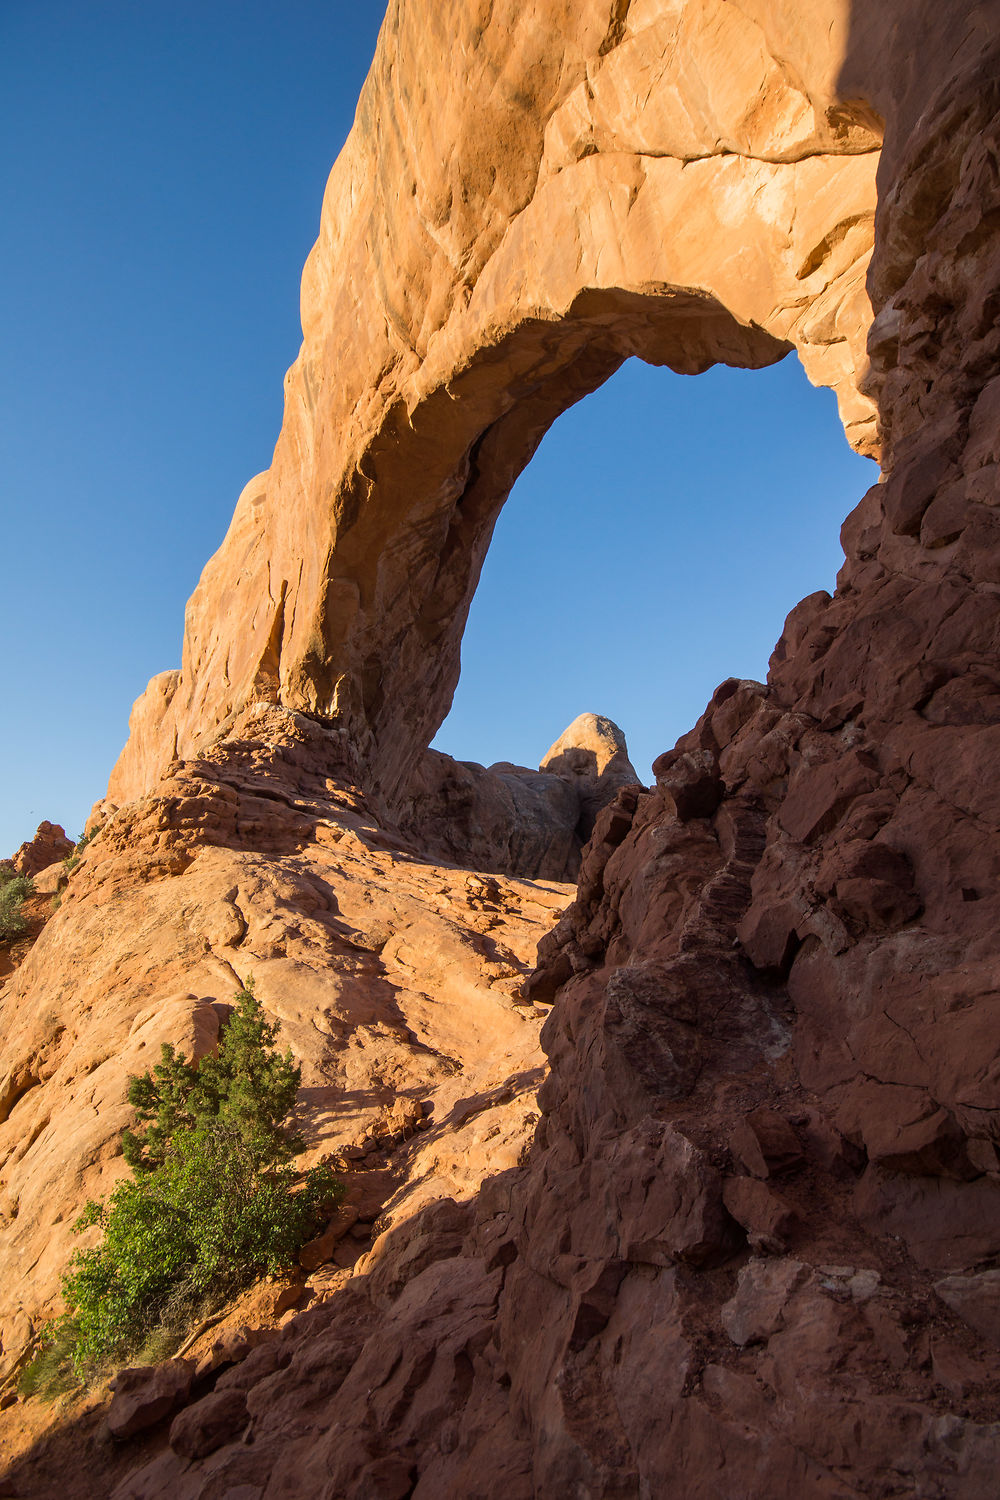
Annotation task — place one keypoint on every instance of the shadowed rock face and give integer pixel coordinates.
(504, 817)
(752, 1250)
(515, 821)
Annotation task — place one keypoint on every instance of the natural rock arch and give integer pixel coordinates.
(745, 1251)
(670, 185)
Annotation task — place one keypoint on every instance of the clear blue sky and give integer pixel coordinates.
(161, 177)
(652, 548)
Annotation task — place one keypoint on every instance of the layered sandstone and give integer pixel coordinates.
(752, 1249)
(512, 820)
(395, 981)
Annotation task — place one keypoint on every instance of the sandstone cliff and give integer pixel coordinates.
(752, 1247)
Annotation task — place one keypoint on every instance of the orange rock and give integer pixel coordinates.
(319, 1250)
(388, 982)
(49, 846)
(681, 192)
(50, 880)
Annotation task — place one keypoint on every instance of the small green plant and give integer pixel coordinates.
(51, 1373)
(213, 1203)
(13, 890)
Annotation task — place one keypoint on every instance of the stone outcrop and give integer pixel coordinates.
(49, 846)
(593, 756)
(513, 821)
(396, 982)
(502, 818)
(145, 1395)
(752, 1249)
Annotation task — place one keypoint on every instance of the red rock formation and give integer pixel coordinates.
(515, 821)
(753, 1250)
(687, 182)
(49, 846)
(396, 982)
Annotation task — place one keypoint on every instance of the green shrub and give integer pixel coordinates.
(13, 889)
(73, 859)
(213, 1202)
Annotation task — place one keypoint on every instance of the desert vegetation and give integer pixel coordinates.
(14, 888)
(72, 860)
(213, 1202)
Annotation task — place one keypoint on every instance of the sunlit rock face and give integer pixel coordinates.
(529, 196)
(395, 979)
(743, 1241)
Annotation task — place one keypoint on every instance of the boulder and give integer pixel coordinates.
(765, 1216)
(209, 1423)
(50, 880)
(320, 1249)
(976, 1299)
(145, 1395)
(763, 1291)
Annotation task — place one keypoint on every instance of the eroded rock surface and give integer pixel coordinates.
(48, 847)
(753, 1248)
(396, 982)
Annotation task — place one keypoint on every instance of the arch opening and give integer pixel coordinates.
(469, 439)
(373, 522)
(652, 547)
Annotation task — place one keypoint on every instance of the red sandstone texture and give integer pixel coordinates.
(753, 1248)
(530, 196)
(49, 847)
(396, 982)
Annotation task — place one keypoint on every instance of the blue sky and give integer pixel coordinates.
(162, 174)
(652, 548)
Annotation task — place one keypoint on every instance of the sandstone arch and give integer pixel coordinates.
(667, 184)
(788, 946)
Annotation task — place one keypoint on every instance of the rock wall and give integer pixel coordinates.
(753, 1250)
(512, 820)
